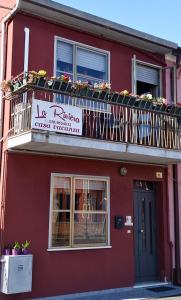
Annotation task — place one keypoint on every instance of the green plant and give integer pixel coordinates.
(16, 246)
(25, 245)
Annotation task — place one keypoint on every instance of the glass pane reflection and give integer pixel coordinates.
(60, 229)
(90, 228)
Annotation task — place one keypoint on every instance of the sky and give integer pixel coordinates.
(161, 18)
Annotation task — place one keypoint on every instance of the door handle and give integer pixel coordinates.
(141, 231)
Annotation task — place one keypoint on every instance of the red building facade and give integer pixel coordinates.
(95, 208)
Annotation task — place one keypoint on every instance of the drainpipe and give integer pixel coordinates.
(177, 277)
(26, 56)
(5, 21)
(3, 56)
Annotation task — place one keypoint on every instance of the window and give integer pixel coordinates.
(81, 62)
(147, 78)
(79, 211)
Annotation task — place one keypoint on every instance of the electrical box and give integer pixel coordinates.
(16, 273)
(119, 222)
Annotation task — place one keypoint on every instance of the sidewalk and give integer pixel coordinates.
(145, 293)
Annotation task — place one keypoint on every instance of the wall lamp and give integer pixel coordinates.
(123, 171)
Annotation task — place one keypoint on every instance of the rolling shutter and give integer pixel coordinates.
(64, 52)
(91, 60)
(147, 74)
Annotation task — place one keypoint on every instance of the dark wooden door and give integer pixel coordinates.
(145, 234)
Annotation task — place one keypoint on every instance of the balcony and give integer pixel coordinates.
(108, 129)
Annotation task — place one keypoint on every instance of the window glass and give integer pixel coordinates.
(79, 213)
(64, 58)
(87, 63)
(91, 195)
(60, 229)
(89, 228)
(81, 64)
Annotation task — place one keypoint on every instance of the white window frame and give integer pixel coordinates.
(84, 46)
(73, 177)
(93, 107)
(144, 63)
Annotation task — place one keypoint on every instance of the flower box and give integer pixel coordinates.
(56, 84)
(103, 95)
(114, 97)
(143, 104)
(65, 86)
(41, 82)
(126, 100)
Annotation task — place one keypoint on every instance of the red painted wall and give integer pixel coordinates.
(27, 217)
(27, 182)
(42, 50)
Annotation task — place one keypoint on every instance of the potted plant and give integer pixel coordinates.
(105, 88)
(25, 247)
(16, 250)
(65, 83)
(123, 97)
(113, 97)
(41, 75)
(31, 77)
(7, 86)
(53, 83)
(7, 250)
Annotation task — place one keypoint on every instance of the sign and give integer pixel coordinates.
(57, 117)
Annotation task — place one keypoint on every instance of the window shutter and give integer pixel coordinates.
(91, 60)
(147, 74)
(61, 182)
(90, 184)
(64, 52)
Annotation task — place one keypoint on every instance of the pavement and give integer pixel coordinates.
(170, 292)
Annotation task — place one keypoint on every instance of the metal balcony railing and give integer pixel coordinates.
(102, 118)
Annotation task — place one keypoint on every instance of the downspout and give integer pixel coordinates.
(26, 56)
(176, 225)
(177, 276)
(5, 21)
(3, 56)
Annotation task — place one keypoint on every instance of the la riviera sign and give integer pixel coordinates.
(52, 116)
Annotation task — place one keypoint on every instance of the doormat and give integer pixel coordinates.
(159, 289)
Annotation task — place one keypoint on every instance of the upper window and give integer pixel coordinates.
(79, 211)
(147, 78)
(81, 62)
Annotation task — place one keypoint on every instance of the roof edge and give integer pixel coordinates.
(99, 21)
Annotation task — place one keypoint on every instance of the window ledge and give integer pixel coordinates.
(78, 248)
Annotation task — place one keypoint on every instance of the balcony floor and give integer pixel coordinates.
(53, 143)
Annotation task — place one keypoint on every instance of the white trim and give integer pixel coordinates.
(150, 284)
(81, 45)
(141, 62)
(109, 214)
(134, 79)
(82, 176)
(175, 84)
(133, 73)
(50, 211)
(78, 248)
(85, 46)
